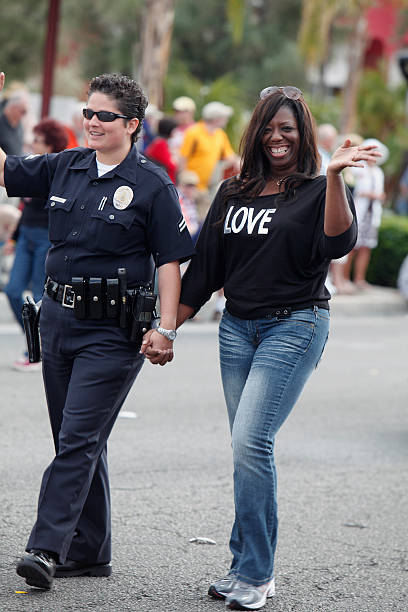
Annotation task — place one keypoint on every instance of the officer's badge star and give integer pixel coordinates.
(122, 197)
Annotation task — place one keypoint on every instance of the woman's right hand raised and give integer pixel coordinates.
(2, 79)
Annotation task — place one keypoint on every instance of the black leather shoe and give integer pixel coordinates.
(38, 569)
(78, 568)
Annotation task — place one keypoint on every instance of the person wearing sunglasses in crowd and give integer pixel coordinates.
(268, 240)
(109, 209)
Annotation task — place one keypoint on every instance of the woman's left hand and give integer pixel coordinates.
(348, 156)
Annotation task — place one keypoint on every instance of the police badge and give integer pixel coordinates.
(122, 197)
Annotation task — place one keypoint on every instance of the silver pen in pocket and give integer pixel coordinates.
(102, 203)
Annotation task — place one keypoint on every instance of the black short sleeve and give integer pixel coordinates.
(29, 176)
(167, 231)
(334, 247)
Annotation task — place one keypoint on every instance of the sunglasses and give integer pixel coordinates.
(104, 116)
(293, 93)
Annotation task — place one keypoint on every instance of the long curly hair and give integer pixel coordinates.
(256, 169)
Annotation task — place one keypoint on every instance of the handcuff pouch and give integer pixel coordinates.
(112, 298)
(95, 300)
(79, 288)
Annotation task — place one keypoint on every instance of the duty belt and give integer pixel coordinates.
(93, 298)
(100, 298)
(60, 293)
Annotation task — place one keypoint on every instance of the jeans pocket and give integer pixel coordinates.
(297, 333)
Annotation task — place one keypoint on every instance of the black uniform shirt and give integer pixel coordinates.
(91, 236)
(266, 254)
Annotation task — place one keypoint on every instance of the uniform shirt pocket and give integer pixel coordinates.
(59, 208)
(110, 229)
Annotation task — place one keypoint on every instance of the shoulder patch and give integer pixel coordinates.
(182, 224)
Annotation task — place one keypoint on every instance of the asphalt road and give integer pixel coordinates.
(342, 466)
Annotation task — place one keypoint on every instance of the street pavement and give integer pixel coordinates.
(342, 469)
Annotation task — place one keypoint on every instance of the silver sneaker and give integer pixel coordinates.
(222, 587)
(246, 596)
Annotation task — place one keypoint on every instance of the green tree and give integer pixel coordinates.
(264, 52)
(382, 115)
(22, 37)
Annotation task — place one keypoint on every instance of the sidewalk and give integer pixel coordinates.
(375, 301)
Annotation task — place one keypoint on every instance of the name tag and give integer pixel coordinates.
(57, 199)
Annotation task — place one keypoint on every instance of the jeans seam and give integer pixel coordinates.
(270, 524)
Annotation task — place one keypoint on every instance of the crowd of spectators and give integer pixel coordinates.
(197, 155)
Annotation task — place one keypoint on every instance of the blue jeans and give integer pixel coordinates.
(265, 364)
(28, 267)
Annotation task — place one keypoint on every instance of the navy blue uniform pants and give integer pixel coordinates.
(88, 369)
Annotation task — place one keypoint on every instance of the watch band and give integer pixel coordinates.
(170, 334)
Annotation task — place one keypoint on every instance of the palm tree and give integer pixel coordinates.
(156, 33)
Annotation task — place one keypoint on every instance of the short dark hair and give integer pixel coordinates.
(255, 167)
(166, 126)
(127, 94)
(53, 132)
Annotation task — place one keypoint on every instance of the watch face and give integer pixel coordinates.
(172, 335)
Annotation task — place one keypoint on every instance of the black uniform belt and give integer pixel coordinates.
(108, 298)
(93, 298)
(60, 293)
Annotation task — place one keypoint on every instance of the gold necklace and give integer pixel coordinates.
(278, 182)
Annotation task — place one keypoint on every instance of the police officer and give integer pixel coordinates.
(109, 209)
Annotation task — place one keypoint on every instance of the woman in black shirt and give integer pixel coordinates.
(268, 240)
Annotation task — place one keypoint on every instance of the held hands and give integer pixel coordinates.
(348, 156)
(157, 348)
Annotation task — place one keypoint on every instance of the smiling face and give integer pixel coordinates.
(111, 140)
(281, 141)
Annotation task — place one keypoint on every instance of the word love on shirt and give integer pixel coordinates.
(237, 220)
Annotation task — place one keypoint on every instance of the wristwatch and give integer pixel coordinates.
(170, 334)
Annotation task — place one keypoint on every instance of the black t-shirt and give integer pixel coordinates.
(268, 254)
(34, 212)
